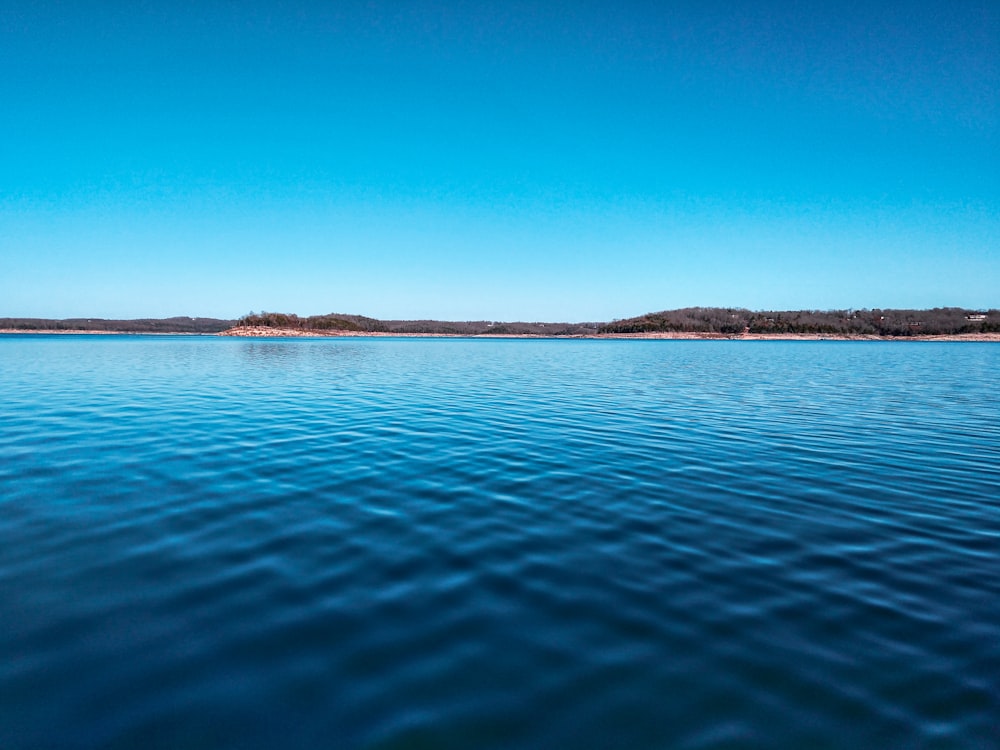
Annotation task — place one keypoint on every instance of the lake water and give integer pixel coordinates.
(448, 543)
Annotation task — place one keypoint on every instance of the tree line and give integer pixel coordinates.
(719, 320)
(329, 322)
(339, 321)
(735, 321)
(140, 325)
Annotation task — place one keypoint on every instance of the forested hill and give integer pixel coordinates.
(735, 321)
(142, 325)
(342, 322)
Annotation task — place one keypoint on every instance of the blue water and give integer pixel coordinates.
(412, 543)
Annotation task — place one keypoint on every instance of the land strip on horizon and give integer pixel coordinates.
(694, 322)
(268, 332)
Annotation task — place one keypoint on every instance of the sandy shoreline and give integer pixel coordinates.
(263, 332)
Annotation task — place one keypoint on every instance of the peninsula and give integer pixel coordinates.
(951, 323)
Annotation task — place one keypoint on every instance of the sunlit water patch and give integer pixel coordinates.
(395, 543)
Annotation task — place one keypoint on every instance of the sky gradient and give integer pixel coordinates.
(510, 161)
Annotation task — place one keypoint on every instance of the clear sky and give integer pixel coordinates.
(501, 160)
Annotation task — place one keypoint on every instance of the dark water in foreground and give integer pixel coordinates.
(378, 543)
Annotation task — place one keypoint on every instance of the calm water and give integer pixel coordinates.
(405, 543)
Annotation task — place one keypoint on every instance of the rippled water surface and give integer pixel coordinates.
(412, 543)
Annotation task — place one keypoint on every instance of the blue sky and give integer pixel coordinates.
(508, 160)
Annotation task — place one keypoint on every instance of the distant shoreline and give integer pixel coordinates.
(77, 332)
(265, 332)
(280, 333)
(690, 323)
